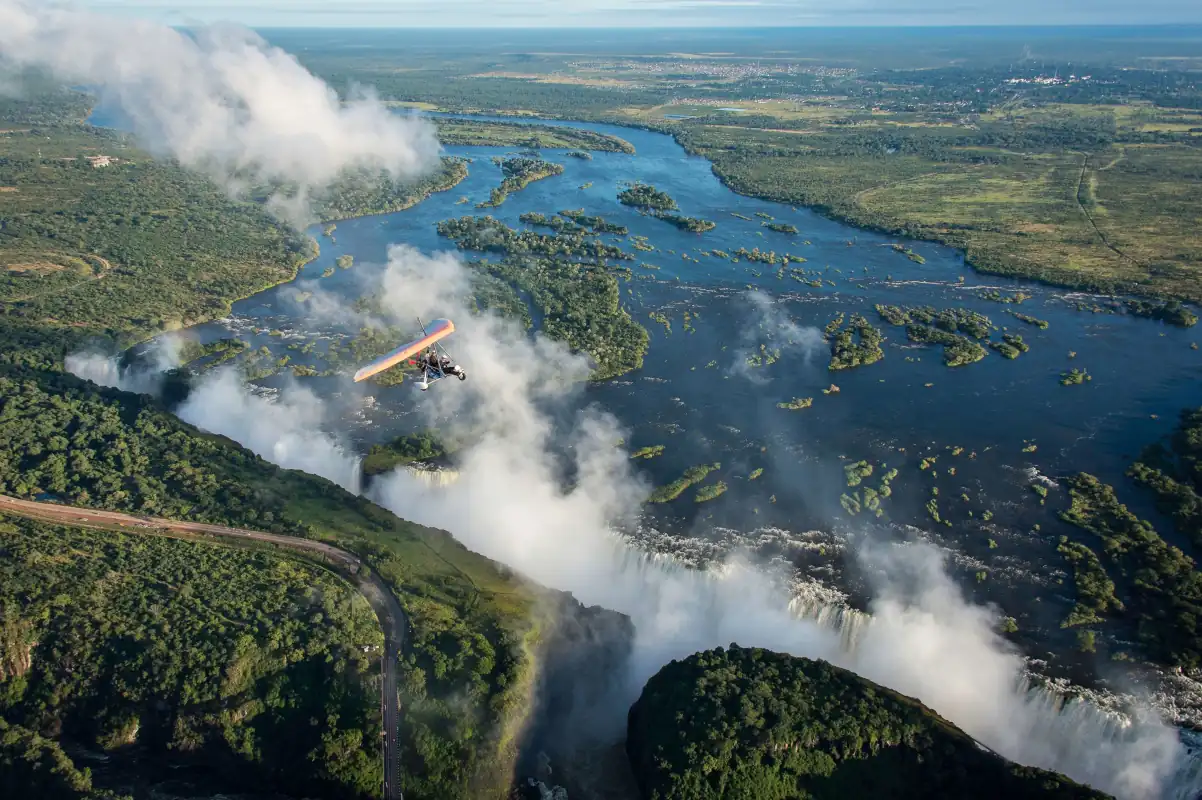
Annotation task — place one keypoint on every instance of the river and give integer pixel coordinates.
(1143, 372)
(997, 427)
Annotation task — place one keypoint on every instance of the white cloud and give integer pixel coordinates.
(288, 431)
(224, 101)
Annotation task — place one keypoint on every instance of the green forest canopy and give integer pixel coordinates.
(466, 661)
(113, 639)
(750, 724)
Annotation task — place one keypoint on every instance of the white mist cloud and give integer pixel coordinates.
(925, 640)
(770, 325)
(512, 503)
(143, 377)
(509, 374)
(225, 101)
(288, 431)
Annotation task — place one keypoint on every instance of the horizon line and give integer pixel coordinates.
(717, 26)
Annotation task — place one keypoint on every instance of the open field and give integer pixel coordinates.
(572, 80)
(1121, 218)
(115, 251)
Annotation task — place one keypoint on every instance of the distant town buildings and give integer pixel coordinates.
(1055, 80)
(733, 69)
(100, 161)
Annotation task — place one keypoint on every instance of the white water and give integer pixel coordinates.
(1107, 741)
(1116, 743)
(435, 478)
(1085, 729)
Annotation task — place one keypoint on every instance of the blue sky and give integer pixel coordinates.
(655, 13)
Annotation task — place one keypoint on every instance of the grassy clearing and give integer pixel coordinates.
(501, 134)
(1117, 219)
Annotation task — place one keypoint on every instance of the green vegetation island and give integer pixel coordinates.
(361, 194)
(647, 197)
(859, 344)
(710, 492)
(1074, 377)
(690, 224)
(659, 204)
(486, 234)
(747, 724)
(491, 133)
(1012, 345)
(519, 172)
(955, 329)
(651, 451)
(673, 490)
(580, 305)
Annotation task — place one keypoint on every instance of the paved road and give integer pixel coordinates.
(389, 612)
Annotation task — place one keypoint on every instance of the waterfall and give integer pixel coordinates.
(1105, 739)
(847, 622)
(936, 646)
(432, 477)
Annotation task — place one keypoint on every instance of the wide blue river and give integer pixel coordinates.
(697, 396)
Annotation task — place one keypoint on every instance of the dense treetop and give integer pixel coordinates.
(750, 724)
(466, 656)
(115, 640)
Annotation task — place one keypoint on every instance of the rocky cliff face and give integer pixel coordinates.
(569, 741)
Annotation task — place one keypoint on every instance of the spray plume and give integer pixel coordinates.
(288, 431)
(771, 326)
(925, 639)
(510, 503)
(144, 376)
(223, 101)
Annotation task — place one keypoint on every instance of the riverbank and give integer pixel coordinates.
(384, 197)
(1028, 231)
(1026, 243)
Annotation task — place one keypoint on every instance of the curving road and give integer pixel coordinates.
(388, 610)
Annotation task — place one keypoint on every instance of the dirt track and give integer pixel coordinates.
(392, 618)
